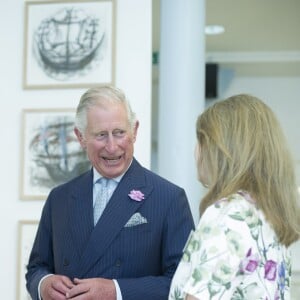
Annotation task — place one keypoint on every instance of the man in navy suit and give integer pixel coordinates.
(133, 249)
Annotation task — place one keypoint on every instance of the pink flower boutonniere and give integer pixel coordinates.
(136, 195)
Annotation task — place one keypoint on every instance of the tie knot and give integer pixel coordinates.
(103, 181)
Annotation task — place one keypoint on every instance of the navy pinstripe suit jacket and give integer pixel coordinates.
(142, 258)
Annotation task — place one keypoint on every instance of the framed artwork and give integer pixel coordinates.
(69, 43)
(50, 153)
(26, 235)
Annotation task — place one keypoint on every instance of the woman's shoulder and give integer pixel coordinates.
(228, 212)
(238, 202)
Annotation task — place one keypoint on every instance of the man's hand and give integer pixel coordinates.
(55, 287)
(92, 289)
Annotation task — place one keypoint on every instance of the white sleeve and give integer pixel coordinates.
(39, 286)
(118, 291)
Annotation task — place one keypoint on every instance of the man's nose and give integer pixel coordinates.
(111, 143)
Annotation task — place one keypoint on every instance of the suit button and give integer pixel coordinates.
(66, 262)
(118, 263)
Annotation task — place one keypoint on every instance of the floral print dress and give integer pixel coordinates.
(233, 254)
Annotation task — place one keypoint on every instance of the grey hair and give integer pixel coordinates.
(96, 95)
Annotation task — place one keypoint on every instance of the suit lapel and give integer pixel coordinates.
(116, 214)
(81, 212)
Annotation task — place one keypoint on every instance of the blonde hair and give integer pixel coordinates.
(243, 147)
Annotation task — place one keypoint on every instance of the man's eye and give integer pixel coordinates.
(101, 135)
(119, 133)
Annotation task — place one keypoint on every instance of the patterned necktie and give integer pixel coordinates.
(101, 198)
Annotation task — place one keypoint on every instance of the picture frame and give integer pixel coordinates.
(26, 233)
(69, 44)
(50, 153)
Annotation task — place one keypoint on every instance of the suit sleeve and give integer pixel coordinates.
(177, 226)
(41, 258)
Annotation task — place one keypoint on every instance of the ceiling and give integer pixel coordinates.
(261, 38)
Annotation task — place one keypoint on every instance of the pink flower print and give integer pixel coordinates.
(249, 264)
(136, 195)
(270, 270)
(276, 297)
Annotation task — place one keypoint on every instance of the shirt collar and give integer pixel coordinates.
(97, 175)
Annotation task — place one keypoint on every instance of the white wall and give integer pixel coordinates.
(133, 75)
(282, 94)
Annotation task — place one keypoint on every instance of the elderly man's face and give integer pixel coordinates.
(108, 139)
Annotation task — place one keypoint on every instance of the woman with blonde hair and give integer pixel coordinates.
(249, 215)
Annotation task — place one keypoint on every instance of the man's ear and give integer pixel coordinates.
(80, 137)
(135, 129)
